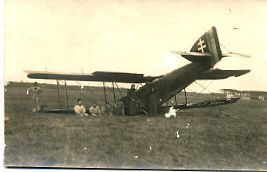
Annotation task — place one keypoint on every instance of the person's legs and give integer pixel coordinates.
(122, 111)
(155, 108)
(34, 105)
(38, 108)
(93, 114)
(150, 108)
(132, 109)
(84, 114)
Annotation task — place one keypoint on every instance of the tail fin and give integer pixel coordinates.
(208, 43)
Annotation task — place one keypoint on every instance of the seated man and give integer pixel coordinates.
(79, 109)
(119, 108)
(107, 109)
(95, 110)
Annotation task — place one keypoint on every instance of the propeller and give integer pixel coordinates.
(228, 54)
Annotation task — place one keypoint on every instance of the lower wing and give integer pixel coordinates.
(222, 74)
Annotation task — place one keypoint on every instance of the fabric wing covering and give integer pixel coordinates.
(96, 76)
(221, 74)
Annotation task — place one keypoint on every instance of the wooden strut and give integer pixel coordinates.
(118, 89)
(105, 92)
(59, 101)
(138, 85)
(114, 81)
(185, 96)
(67, 98)
(114, 95)
(175, 99)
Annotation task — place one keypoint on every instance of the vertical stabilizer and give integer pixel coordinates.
(209, 43)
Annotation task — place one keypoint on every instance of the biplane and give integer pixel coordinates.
(156, 90)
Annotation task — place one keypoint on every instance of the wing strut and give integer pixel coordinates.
(58, 95)
(114, 95)
(67, 97)
(185, 96)
(105, 91)
(118, 89)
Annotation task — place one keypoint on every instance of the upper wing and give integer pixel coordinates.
(221, 74)
(96, 76)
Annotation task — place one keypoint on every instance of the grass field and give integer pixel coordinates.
(226, 137)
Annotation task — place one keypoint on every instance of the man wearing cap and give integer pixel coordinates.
(152, 102)
(132, 100)
(34, 91)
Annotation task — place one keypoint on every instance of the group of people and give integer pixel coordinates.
(108, 109)
(79, 109)
(95, 110)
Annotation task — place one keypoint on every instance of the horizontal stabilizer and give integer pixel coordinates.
(194, 56)
(222, 74)
(98, 76)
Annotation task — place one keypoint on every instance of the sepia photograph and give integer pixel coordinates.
(135, 84)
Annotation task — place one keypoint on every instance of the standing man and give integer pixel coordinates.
(34, 91)
(79, 109)
(152, 102)
(132, 100)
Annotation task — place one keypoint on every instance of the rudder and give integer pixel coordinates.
(209, 43)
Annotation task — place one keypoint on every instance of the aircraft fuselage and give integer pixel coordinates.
(170, 84)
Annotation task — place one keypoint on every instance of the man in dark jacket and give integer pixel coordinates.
(152, 102)
(132, 100)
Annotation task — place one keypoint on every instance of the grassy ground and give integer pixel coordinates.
(226, 137)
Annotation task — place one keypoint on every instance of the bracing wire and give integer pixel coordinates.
(225, 47)
(92, 92)
(203, 88)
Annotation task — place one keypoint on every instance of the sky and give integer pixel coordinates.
(77, 36)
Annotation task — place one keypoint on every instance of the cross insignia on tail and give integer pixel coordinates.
(201, 45)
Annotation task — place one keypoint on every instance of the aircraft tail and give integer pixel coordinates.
(206, 49)
(209, 43)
